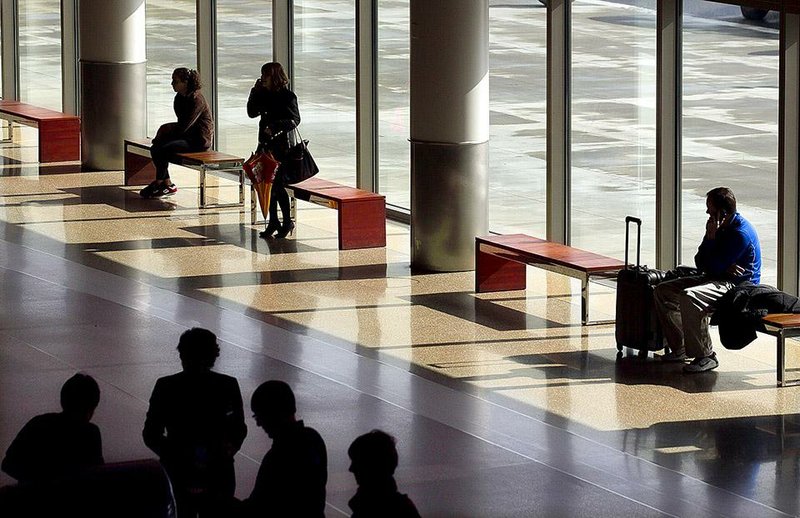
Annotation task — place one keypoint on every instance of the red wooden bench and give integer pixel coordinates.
(500, 264)
(362, 214)
(782, 326)
(59, 133)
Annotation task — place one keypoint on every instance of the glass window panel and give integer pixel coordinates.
(517, 102)
(325, 83)
(40, 53)
(171, 43)
(613, 125)
(244, 43)
(393, 102)
(730, 123)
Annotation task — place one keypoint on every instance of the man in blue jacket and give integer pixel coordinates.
(729, 255)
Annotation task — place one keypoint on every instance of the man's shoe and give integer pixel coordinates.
(148, 191)
(164, 190)
(703, 364)
(672, 356)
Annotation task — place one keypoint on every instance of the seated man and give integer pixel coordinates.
(729, 255)
(292, 477)
(373, 459)
(55, 445)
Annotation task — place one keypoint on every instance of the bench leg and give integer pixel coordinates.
(362, 224)
(585, 300)
(494, 273)
(59, 141)
(241, 187)
(202, 193)
(781, 359)
(139, 170)
(10, 138)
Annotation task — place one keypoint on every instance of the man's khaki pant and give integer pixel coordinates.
(684, 307)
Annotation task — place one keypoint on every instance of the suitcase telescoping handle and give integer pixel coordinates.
(628, 221)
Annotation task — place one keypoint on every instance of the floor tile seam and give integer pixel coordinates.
(379, 392)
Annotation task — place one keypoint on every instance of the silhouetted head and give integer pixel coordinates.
(273, 77)
(198, 349)
(185, 81)
(273, 406)
(80, 396)
(373, 457)
(722, 199)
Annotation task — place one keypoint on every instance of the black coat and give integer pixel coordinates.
(740, 310)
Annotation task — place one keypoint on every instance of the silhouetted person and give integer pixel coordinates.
(195, 424)
(373, 459)
(293, 474)
(56, 445)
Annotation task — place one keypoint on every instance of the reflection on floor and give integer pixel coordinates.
(503, 405)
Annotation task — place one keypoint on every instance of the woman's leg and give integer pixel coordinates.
(161, 154)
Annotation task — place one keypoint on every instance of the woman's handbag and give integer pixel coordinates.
(299, 165)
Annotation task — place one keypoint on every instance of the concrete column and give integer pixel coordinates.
(449, 131)
(113, 79)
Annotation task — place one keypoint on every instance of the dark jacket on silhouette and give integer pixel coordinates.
(382, 499)
(195, 424)
(51, 446)
(292, 477)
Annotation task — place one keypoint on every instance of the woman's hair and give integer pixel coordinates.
(276, 72)
(191, 77)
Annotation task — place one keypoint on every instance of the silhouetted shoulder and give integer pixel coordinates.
(53, 445)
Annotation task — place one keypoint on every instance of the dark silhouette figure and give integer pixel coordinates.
(195, 424)
(293, 474)
(56, 445)
(373, 459)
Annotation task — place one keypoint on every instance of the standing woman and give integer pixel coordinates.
(194, 131)
(271, 98)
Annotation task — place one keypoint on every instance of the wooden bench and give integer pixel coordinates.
(140, 170)
(59, 133)
(362, 214)
(500, 264)
(782, 326)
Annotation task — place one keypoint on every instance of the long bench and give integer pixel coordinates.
(500, 264)
(362, 214)
(59, 133)
(782, 326)
(140, 170)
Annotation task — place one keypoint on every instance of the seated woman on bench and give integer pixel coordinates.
(193, 132)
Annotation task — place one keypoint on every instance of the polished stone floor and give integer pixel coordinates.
(502, 404)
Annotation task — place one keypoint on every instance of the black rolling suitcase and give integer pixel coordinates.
(637, 324)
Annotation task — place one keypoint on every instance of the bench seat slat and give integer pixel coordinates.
(783, 320)
(533, 250)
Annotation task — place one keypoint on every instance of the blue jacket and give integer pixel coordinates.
(737, 243)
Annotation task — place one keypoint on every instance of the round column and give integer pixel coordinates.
(449, 132)
(113, 79)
